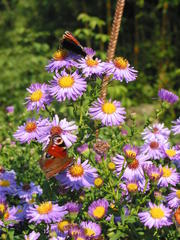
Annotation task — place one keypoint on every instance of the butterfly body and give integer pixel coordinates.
(55, 158)
(69, 42)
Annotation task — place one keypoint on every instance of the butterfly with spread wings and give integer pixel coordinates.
(70, 43)
(55, 158)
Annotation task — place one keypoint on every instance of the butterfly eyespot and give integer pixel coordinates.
(47, 155)
(57, 140)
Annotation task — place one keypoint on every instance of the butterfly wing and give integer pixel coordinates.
(69, 42)
(55, 158)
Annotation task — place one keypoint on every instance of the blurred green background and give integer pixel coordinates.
(30, 33)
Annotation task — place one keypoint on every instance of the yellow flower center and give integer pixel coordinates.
(89, 232)
(80, 238)
(62, 226)
(44, 208)
(76, 170)
(178, 193)
(170, 152)
(36, 96)
(132, 187)
(99, 212)
(108, 108)
(155, 176)
(111, 166)
(66, 81)
(157, 212)
(4, 183)
(6, 215)
(56, 130)
(2, 208)
(98, 182)
(91, 62)
(131, 154)
(166, 172)
(120, 62)
(30, 127)
(60, 55)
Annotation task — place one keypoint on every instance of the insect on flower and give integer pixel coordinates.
(55, 158)
(69, 42)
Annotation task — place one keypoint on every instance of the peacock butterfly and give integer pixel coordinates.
(55, 158)
(69, 42)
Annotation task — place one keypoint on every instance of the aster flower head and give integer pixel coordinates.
(98, 209)
(169, 176)
(31, 130)
(61, 58)
(121, 70)
(9, 217)
(7, 183)
(130, 151)
(38, 97)
(110, 113)
(167, 96)
(176, 127)
(156, 131)
(73, 207)
(62, 127)
(89, 52)
(69, 86)
(91, 229)
(46, 212)
(173, 198)
(90, 66)
(154, 148)
(61, 229)
(173, 153)
(32, 236)
(27, 191)
(153, 172)
(77, 176)
(10, 109)
(157, 216)
(75, 230)
(133, 168)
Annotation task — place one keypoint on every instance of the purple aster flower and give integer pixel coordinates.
(167, 96)
(67, 86)
(110, 113)
(32, 236)
(91, 229)
(133, 169)
(154, 148)
(27, 191)
(31, 130)
(153, 172)
(61, 58)
(90, 66)
(157, 216)
(79, 175)
(170, 176)
(73, 207)
(39, 96)
(173, 153)
(61, 229)
(10, 109)
(131, 151)
(173, 198)
(176, 127)
(120, 68)
(7, 183)
(9, 217)
(156, 131)
(98, 209)
(89, 52)
(83, 149)
(62, 127)
(21, 212)
(46, 212)
(75, 230)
